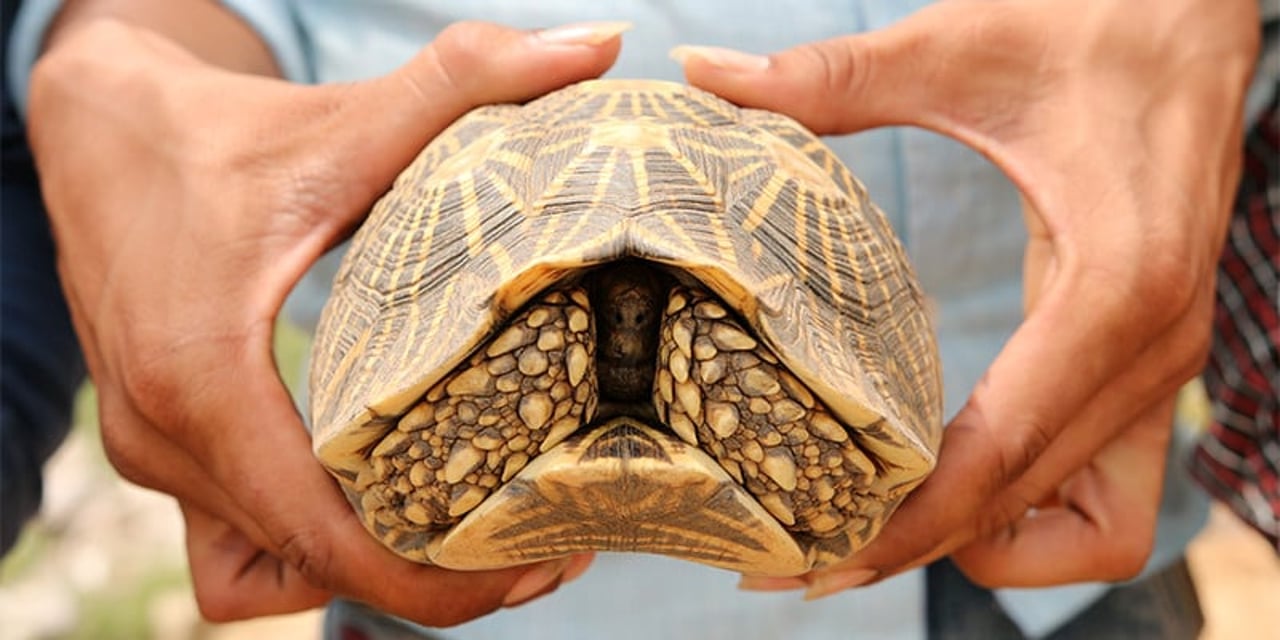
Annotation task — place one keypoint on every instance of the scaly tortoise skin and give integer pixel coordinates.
(626, 316)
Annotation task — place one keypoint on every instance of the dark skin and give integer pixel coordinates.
(186, 382)
(254, 548)
(628, 303)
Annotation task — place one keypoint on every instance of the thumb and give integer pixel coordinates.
(383, 123)
(937, 69)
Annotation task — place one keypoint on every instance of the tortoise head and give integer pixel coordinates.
(628, 313)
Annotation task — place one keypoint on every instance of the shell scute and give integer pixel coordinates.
(511, 199)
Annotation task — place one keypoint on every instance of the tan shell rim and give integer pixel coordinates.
(341, 441)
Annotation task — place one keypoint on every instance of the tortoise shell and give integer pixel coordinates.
(628, 316)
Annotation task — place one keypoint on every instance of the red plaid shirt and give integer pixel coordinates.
(1239, 459)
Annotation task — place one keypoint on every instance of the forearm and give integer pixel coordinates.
(204, 28)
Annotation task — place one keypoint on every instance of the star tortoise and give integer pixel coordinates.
(626, 316)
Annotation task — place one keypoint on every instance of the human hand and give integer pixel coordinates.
(186, 201)
(1120, 124)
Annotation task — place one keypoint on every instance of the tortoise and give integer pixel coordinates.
(626, 316)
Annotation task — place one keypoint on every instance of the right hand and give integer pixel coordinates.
(187, 201)
(1052, 472)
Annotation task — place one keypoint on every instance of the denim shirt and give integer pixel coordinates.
(958, 216)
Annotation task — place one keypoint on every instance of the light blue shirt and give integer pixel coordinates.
(958, 216)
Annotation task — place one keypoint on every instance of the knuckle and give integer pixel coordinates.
(1126, 557)
(46, 76)
(983, 573)
(215, 605)
(1028, 441)
(1196, 335)
(149, 386)
(840, 69)
(1152, 291)
(313, 558)
(1001, 521)
(123, 452)
(461, 49)
(452, 616)
(61, 64)
(215, 600)
(835, 67)
(1191, 358)
(123, 441)
(1165, 276)
(1167, 282)
(1009, 449)
(127, 465)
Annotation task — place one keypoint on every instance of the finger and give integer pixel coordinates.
(959, 502)
(1103, 526)
(578, 565)
(358, 137)
(1165, 369)
(805, 81)
(1009, 420)
(895, 75)
(378, 127)
(1159, 372)
(1106, 512)
(235, 578)
(1104, 361)
(275, 477)
(133, 446)
(547, 578)
(232, 415)
(319, 535)
(238, 415)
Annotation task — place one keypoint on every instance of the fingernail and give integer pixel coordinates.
(537, 580)
(825, 584)
(728, 59)
(761, 583)
(585, 33)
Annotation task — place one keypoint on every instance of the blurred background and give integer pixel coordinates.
(105, 559)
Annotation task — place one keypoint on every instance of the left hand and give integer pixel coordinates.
(1120, 123)
(187, 198)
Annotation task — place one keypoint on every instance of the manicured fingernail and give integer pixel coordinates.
(761, 583)
(825, 584)
(537, 580)
(588, 33)
(728, 59)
